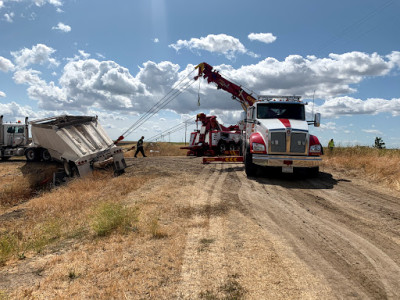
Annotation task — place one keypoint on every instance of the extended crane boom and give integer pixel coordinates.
(206, 71)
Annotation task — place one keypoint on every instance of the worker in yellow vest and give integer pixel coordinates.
(331, 144)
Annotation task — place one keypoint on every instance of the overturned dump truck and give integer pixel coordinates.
(78, 142)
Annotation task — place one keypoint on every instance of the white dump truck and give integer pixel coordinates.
(78, 142)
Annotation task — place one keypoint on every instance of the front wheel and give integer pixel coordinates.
(249, 167)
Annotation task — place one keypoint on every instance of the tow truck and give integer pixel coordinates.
(274, 130)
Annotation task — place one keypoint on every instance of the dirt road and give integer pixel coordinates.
(284, 236)
(233, 237)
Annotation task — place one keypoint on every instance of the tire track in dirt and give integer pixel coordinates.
(199, 263)
(330, 245)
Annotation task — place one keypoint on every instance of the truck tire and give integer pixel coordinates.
(71, 169)
(75, 171)
(31, 154)
(67, 168)
(249, 167)
(45, 155)
(222, 147)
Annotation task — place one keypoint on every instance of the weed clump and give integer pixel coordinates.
(8, 246)
(108, 217)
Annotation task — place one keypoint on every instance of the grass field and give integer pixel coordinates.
(381, 165)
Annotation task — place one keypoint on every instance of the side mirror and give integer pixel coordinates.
(317, 120)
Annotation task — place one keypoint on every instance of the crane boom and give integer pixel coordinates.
(206, 71)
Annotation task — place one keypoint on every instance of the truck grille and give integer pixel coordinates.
(298, 142)
(278, 142)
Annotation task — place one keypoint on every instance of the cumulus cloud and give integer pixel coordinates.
(62, 27)
(266, 38)
(339, 106)
(215, 43)
(107, 86)
(156, 40)
(1, 4)
(2, 94)
(331, 76)
(39, 54)
(14, 110)
(6, 65)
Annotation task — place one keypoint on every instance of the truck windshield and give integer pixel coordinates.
(281, 111)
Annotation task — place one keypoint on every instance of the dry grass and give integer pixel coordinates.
(156, 149)
(20, 181)
(100, 237)
(84, 208)
(381, 165)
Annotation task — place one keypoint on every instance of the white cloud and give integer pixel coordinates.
(340, 106)
(215, 43)
(9, 17)
(1, 4)
(13, 110)
(39, 54)
(107, 86)
(40, 3)
(373, 131)
(156, 40)
(328, 126)
(2, 94)
(62, 27)
(30, 77)
(5, 64)
(267, 38)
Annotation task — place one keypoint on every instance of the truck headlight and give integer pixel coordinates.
(258, 147)
(315, 148)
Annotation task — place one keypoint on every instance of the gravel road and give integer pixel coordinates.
(283, 236)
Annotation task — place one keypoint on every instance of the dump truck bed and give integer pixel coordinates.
(77, 140)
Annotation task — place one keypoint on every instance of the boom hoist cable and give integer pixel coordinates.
(164, 101)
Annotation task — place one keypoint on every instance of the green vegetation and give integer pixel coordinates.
(109, 217)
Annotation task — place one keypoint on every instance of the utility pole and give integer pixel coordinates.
(185, 132)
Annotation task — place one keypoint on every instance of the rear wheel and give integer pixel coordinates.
(75, 171)
(31, 154)
(222, 147)
(249, 167)
(45, 155)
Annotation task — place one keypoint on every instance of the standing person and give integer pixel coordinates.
(139, 147)
(331, 144)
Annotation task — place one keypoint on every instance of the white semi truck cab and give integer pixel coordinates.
(276, 134)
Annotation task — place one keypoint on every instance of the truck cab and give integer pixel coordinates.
(13, 138)
(276, 135)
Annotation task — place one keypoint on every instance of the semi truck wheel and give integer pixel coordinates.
(31, 154)
(222, 147)
(249, 167)
(45, 155)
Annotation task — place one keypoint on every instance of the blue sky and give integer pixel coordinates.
(116, 59)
